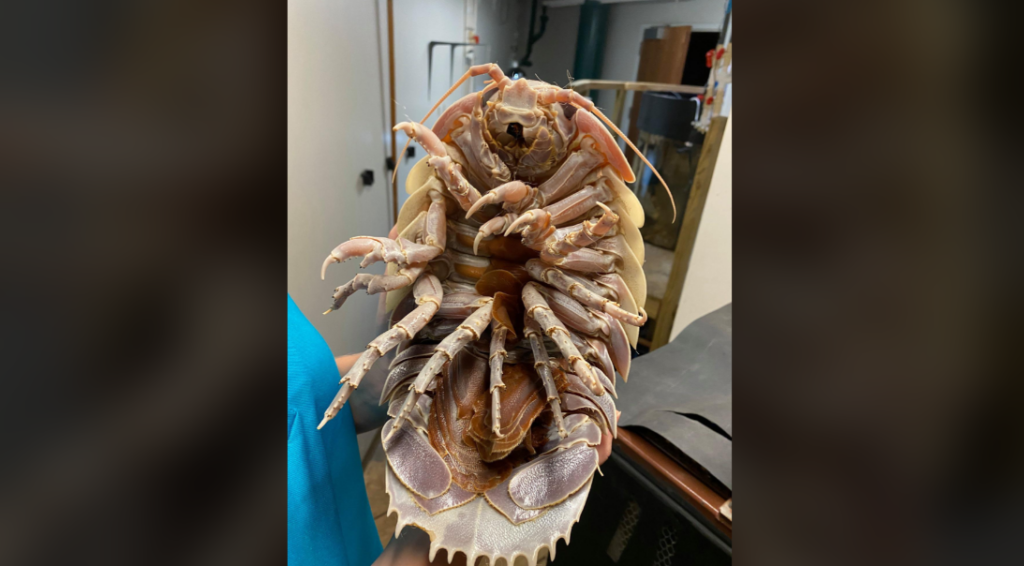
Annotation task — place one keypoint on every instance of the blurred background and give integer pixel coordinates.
(142, 206)
(146, 202)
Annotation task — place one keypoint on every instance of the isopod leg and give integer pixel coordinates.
(447, 169)
(537, 308)
(573, 314)
(511, 193)
(594, 351)
(533, 231)
(570, 175)
(491, 69)
(566, 240)
(618, 344)
(428, 295)
(492, 227)
(530, 222)
(497, 362)
(560, 280)
(471, 329)
(375, 284)
(543, 366)
(577, 316)
(565, 209)
(587, 260)
(401, 252)
(577, 100)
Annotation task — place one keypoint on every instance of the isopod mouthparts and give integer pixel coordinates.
(515, 289)
(515, 130)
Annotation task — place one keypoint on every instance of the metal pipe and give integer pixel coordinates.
(531, 38)
(590, 40)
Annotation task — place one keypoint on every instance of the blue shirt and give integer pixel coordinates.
(329, 519)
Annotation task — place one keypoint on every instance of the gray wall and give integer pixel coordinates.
(498, 26)
(553, 55)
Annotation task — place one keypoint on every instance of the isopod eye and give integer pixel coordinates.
(515, 130)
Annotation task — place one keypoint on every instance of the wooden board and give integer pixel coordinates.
(586, 85)
(688, 232)
(662, 60)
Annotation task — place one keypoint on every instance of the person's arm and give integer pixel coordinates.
(367, 414)
(413, 547)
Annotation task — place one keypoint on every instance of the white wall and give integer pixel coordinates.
(334, 129)
(708, 284)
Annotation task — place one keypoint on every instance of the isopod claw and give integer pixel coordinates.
(532, 221)
(511, 193)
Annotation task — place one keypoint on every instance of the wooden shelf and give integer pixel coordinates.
(584, 86)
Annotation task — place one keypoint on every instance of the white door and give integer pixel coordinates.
(336, 130)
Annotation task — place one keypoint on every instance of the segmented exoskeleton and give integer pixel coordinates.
(520, 247)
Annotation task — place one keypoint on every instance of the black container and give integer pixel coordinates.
(667, 114)
(671, 143)
(630, 520)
